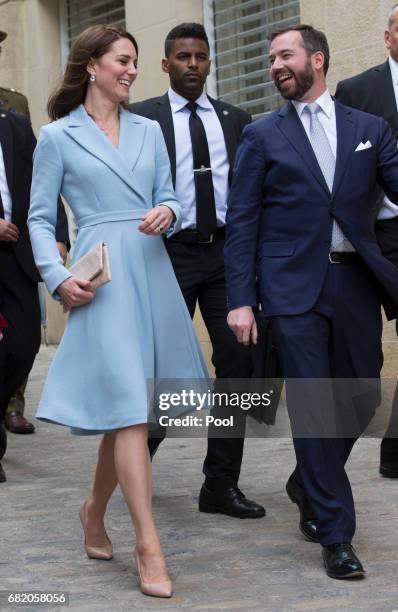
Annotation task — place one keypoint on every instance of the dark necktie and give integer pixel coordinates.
(206, 220)
(2, 216)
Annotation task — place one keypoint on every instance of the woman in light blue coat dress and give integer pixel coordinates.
(113, 169)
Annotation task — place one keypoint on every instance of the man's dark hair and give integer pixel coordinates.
(313, 40)
(92, 43)
(185, 30)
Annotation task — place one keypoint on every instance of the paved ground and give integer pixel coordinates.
(217, 563)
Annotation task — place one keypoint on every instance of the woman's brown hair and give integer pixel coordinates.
(93, 42)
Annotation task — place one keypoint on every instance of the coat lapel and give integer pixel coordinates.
(292, 128)
(227, 128)
(7, 146)
(121, 161)
(165, 118)
(385, 87)
(131, 138)
(346, 129)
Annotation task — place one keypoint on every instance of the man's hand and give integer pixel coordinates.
(8, 231)
(63, 251)
(243, 324)
(75, 292)
(156, 221)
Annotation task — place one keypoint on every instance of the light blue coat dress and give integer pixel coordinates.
(137, 328)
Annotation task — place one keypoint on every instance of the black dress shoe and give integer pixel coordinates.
(230, 501)
(2, 474)
(308, 522)
(388, 471)
(341, 562)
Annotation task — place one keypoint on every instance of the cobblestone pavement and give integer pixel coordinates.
(217, 563)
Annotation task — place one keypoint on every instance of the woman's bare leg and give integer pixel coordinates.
(134, 473)
(105, 482)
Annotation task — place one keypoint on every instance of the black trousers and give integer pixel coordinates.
(389, 444)
(199, 269)
(3, 441)
(19, 303)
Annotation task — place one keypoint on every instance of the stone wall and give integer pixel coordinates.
(355, 31)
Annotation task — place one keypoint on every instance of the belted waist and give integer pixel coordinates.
(110, 217)
(191, 236)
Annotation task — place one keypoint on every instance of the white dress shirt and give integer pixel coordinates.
(389, 209)
(4, 191)
(185, 186)
(394, 75)
(327, 117)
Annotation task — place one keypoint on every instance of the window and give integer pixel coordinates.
(79, 14)
(240, 42)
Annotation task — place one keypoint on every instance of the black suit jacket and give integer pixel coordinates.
(372, 91)
(232, 120)
(18, 143)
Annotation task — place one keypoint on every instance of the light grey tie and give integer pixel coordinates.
(327, 163)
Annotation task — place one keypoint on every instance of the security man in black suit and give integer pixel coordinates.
(375, 91)
(19, 299)
(201, 136)
(14, 101)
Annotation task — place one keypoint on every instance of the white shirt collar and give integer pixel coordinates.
(394, 69)
(325, 102)
(178, 102)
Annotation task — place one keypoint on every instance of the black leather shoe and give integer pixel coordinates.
(308, 524)
(388, 471)
(2, 474)
(341, 562)
(229, 501)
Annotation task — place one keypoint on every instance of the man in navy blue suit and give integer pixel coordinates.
(301, 219)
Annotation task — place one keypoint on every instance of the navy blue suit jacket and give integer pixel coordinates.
(280, 212)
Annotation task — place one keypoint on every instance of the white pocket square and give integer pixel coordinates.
(363, 145)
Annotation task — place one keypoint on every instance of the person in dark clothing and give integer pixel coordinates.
(202, 136)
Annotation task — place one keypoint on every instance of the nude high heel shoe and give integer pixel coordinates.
(104, 553)
(153, 589)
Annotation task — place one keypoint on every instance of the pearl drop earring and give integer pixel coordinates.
(92, 78)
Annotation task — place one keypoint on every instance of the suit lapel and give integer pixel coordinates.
(385, 87)
(7, 146)
(165, 118)
(227, 128)
(292, 128)
(83, 130)
(346, 129)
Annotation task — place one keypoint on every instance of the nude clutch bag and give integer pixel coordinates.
(94, 266)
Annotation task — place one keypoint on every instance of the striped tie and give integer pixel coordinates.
(327, 163)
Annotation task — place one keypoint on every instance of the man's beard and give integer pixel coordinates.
(304, 80)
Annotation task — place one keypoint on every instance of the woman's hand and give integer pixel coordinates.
(157, 221)
(75, 292)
